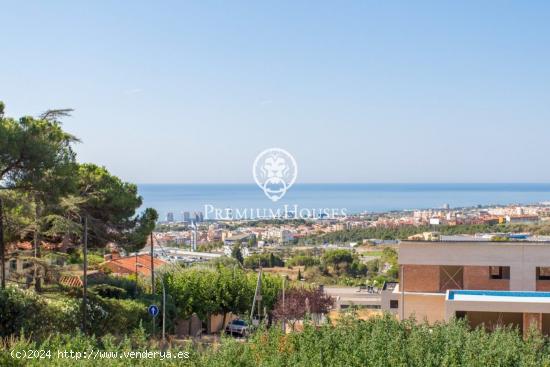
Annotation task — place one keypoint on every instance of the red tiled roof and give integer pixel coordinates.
(28, 245)
(127, 265)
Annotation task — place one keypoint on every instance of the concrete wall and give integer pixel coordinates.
(522, 257)
(188, 327)
(386, 297)
(216, 324)
(424, 307)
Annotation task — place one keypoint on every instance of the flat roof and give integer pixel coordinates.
(498, 296)
(478, 242)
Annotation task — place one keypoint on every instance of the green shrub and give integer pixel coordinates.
(303, 260)
(95, 260)
(264, 260)
(128, 283)
(22, 310)
(109, 291)
(382, 341)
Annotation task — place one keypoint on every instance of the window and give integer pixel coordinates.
(394, 303)
(460, 314)
(499, 272)
(543, 273)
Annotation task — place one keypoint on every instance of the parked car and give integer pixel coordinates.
(237, 327)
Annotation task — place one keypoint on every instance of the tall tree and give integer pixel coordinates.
(237, 254)
(33, 151)
(111, 204)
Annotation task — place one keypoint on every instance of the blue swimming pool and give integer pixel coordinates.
(498, 293)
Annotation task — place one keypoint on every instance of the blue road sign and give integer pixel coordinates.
(153, 310)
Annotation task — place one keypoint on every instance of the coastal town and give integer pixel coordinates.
(191, 231)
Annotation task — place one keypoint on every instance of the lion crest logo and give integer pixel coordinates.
(275, 171)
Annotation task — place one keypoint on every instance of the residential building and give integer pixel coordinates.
(198, 217)
(280, 235)
(522, 219)
(170, 217)
(238, 238)
(490, 283)
(186, 217)
(345, 297)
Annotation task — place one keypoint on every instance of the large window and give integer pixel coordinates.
(543, 273)
(499, 272)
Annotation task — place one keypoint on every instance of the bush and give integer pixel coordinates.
(95, 260)
(381, 341)
(384, 341)
(128, 283)
(136, 341)
(207, 291)
(303, 260)
(109, 291)
(113, 316)
(17, 310)
(264, 260)
(336, 257)
(22, 310)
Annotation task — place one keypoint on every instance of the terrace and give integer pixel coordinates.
(499, 308)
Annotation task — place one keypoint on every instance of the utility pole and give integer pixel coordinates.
(136, 282)
(152, 266)
(163, 312)
(257, 296)
(2, 245)
(152, 280)
(402, 286)
(85, 275)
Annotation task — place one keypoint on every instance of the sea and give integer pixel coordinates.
(355, 198)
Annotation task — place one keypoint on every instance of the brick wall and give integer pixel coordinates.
(543, 285)
(421, 278)
(477, 277)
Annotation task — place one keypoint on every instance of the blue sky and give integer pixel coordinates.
(357, 91)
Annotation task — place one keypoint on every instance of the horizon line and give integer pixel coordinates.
(354, 183)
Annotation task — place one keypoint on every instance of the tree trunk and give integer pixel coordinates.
(36, 240)
(223, 321)
(2, 245)
(85, 277)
